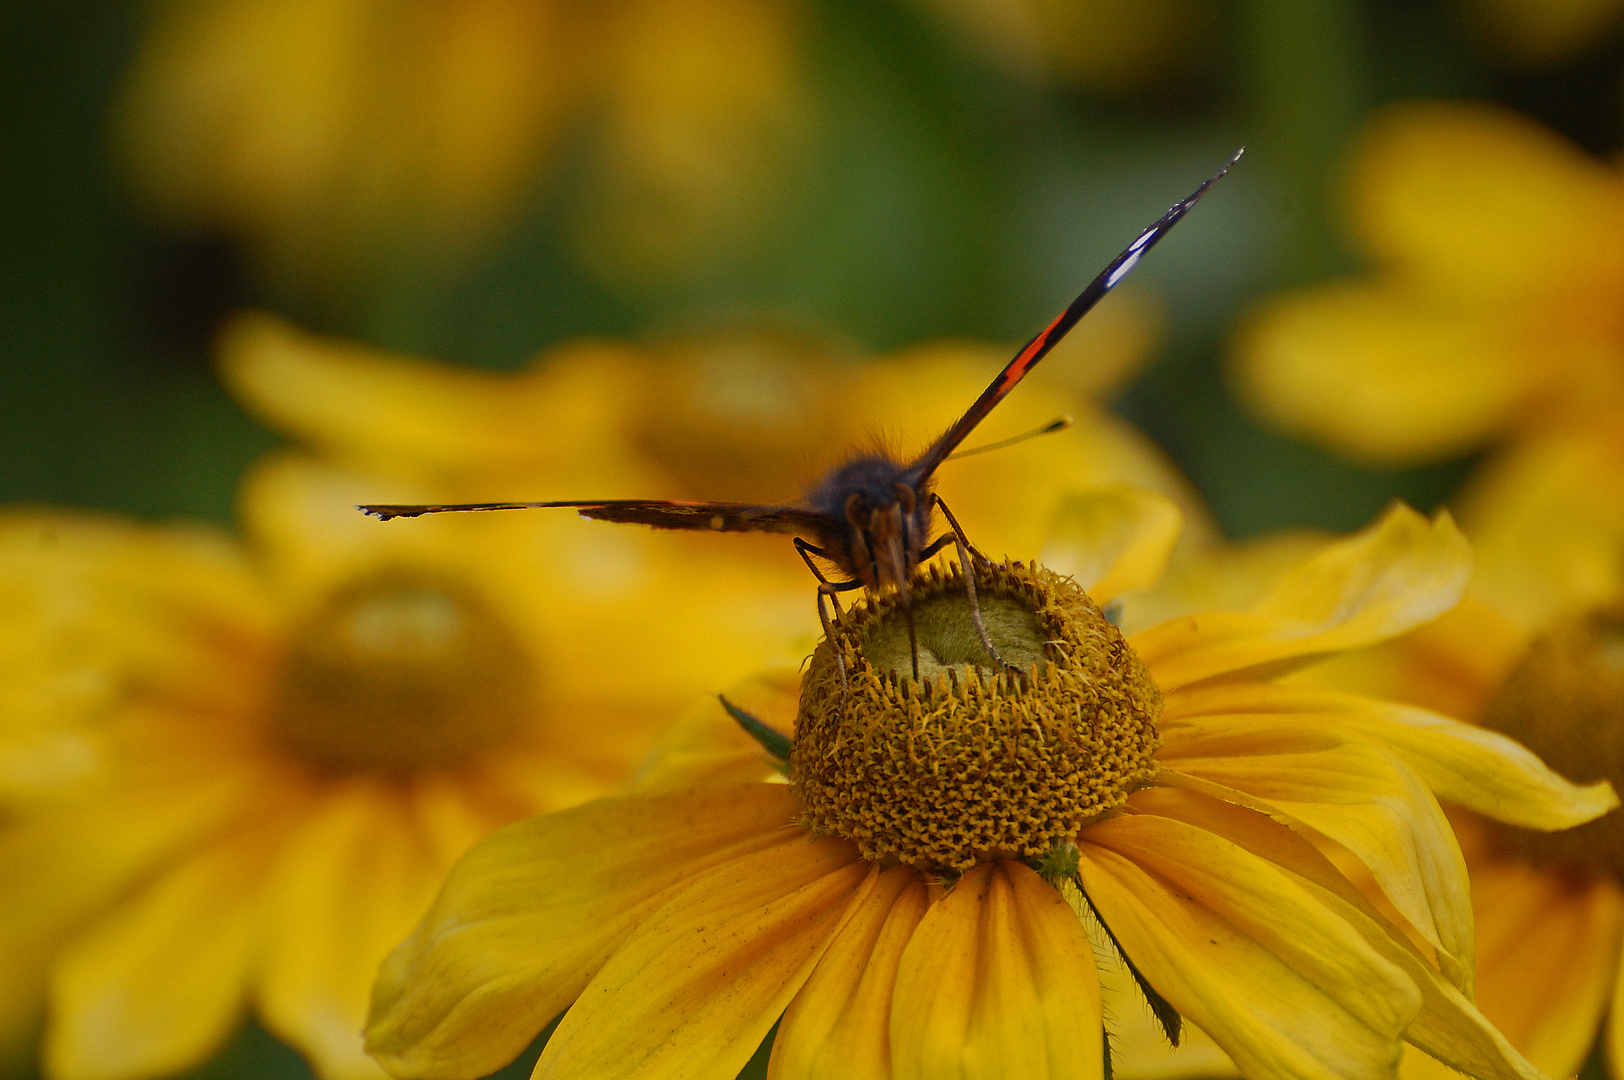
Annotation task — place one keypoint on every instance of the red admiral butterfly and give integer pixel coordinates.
(871, 517)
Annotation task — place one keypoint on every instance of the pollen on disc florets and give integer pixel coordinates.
(1565, 702)
(965, 765)
(401, 670)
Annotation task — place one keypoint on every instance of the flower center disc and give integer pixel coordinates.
(399, 672)
(1565, 702)
(964, 765)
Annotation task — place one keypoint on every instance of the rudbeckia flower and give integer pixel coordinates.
(234, 769)
(746, 415)
(912, 903)
(337, 136)
(1105, 47)
(1535, 33)
(1534, 653)
(282, 745)
(1492, 314)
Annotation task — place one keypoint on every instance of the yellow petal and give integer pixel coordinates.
(1534, 35)
(1448, 1026)
(1380, 374)
(1452, 665)
(405, 416)
(527, 918)
(1366, 800)
(1283, 984)
(59, 869)
(1546, 518)
(1397, 574)
(94, 610)
(1615, 1033)
(706, 746)
(1113, 540)
(1465, 765)
(839, 1024)
(159, 983)
(1548, 955)
(702, 980)
(1222, 577)
(1476, 200)
(351, 885)
(999, 980)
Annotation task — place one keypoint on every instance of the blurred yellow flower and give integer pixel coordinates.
(1494, 312)
(234, 771)
(1533, 654)
(296, 736)
(749, 415)
(907, 914)
(1104, 46)
(338, 135)
(1534, 33)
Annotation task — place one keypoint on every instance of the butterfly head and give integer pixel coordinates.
(882, 519)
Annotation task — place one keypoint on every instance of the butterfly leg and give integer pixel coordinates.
(958, 534)
(965, 552)
(830, 589)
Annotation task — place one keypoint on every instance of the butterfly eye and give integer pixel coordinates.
(858, 512)
(905, 497)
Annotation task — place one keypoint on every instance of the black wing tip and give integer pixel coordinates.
(388, 513)
(1215, 177)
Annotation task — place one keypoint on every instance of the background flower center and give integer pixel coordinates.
(1565, 702)
(401, 671)
(963, 766)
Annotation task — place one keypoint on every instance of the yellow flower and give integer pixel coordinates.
(1493, 319)
(1533, 33)
(1533, 653)
(233, 771)
(1493, 313)
(293, 739)
(748, 416)
(909, 913)
(335, 136)
(1108, 47)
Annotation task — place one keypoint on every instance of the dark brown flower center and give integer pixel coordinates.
(399, 672)
(1565, 702)
(963, 766)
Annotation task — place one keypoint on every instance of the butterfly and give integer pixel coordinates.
(870, 518)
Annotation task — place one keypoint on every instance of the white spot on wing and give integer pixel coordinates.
(1144, 238)
(1122, 271)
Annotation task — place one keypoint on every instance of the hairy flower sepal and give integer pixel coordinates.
(965, 765)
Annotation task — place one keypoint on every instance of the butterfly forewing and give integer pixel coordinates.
(659, 513)
(1050, 336)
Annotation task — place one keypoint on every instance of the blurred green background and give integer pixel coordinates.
(935, 192)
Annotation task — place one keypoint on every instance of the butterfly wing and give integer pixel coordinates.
(708, 516)
(658, 513)
(1050, 336)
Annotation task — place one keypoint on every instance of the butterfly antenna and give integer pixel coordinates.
(1050, 336)
(1059, 423)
